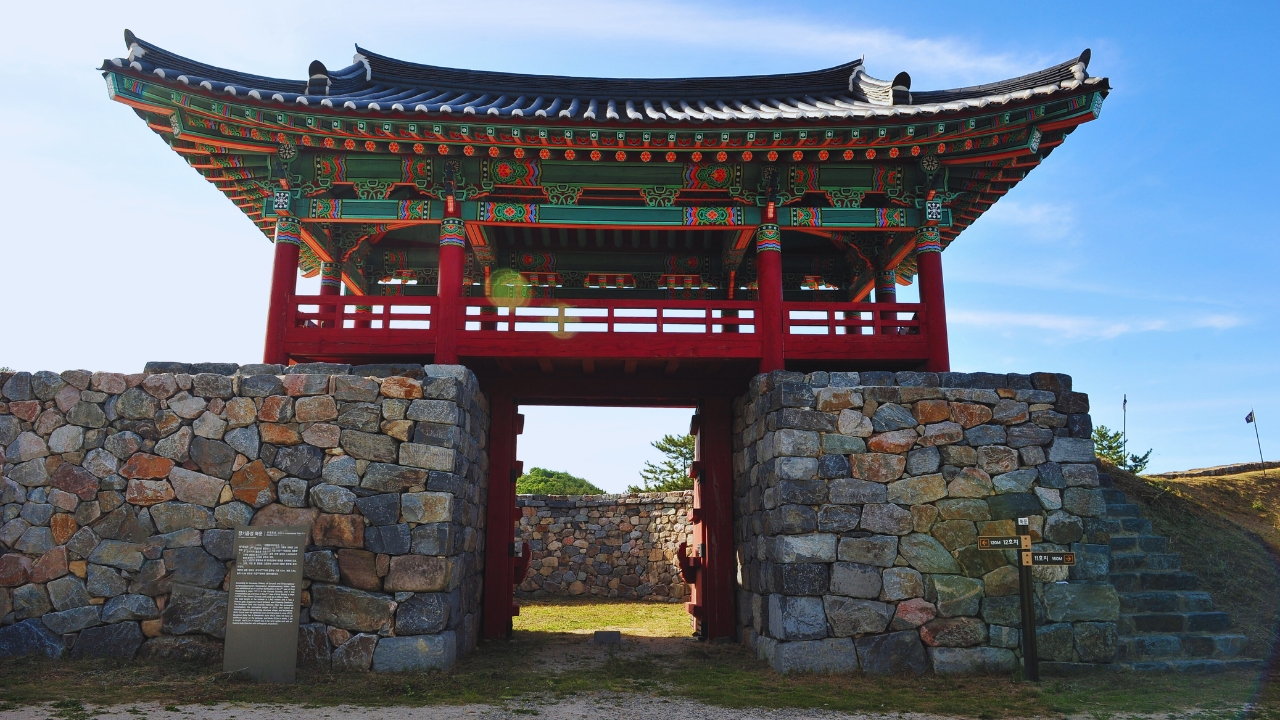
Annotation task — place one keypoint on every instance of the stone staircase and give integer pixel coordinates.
(1166, 624)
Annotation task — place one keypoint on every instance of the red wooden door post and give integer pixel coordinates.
(499, 590)
(330, 285)
(717, 584)
(887, 292)
(284, 282)
(769, 290)
(929, 267)
(453, 244)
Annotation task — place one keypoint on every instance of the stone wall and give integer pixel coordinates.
(119, 493)
(619, 546)
(859, 501)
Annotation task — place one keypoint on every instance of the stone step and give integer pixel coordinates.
(1153, 580)
(1139, 543)
(1132, 526)
(1158, 601)
(1105, 481)
(1194, 667)
(1175, 622)
(1113, 496)
(1124, 510)
(1122, 562)
(1136, 648)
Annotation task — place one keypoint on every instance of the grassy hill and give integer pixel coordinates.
(1228, 531)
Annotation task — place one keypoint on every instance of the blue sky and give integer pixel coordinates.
(1141, 257)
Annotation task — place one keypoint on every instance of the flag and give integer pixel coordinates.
(1125, 406)
(1249, 418)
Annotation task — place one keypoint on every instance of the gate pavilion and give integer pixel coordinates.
(606, 241)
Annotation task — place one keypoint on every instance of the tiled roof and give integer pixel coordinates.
(382, 84)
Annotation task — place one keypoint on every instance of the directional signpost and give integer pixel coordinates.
(1027, 558)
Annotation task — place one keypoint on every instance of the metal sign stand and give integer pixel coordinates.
(1030, 661)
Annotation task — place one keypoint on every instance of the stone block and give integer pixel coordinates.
(855, 580)
(918, 490)
(831, 655)
(356, 654)
(333, 499)
(313, 646)
(854, 424)
(382, 509)
(927, 555)
(876, 550)
(1013, 505)
(793, 520)
(423, 614)
(971, 661)
(385, 478)
(897, 441)
(102, 581)
(1080, 475)
(886, 519)
(321, 566)
(895, 653)
(195, 610)
(1084, 502)
(1071, 450)
(387, 539)
(923, 461)
(30, 637)
(801, 578)
(912, 613)
(195, 567)
(851, 617)
(796, 618)
(213, 457)
(878, 467)
(302, 461)
(173, 516)
(418, 573)
(341, 471)
(955, 534)
(941, 434)
(292, 492)
(818, 547)
(196, 488)
(357, 569)
(901, 583)
(351, 609)
(839, 518)
(1079, 602)
(344, 531)
(119, 642)
(848, 491)
(1055, 642)
(416, 653)
(957, 596)
(833, 466)
(985, 435)
(954, 632)
(276, 515)
(968, 415)
(1096, 642)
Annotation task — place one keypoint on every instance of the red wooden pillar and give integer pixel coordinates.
(929, 269)
(887, 292)
(330, 285)
(717, 579)
(499, 589)
(284, 283)
(769, 287)
(453, 245)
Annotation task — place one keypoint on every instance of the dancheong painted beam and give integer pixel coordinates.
(502, 211)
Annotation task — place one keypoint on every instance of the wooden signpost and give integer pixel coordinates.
(1027, 558)
(263, 605)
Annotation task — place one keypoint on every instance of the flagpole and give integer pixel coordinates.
(1124, 432)
(1259, 439)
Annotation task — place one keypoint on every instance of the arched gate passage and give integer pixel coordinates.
(710, 565)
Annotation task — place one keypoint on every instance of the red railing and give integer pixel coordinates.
(387, 326)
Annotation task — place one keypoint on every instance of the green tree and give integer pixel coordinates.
(541, 481)
(673, 473)
(1109, 446)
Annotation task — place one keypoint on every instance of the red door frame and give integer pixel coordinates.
(714, 588)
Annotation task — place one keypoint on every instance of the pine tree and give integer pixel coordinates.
(1110, 447)
(673, 473)
(540, 481)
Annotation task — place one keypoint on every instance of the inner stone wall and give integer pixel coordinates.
(619, 546)
(119, 493)
(859, 501)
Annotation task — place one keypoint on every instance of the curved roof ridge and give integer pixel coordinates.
(390, 70)
(1058, 73)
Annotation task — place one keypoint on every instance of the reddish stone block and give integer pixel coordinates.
(316, 409)
(276, 409)
(75, 480)
(913, 613)
(970, 414)
(15, 570)
(142, 466)
(63, 526)
(51, 566)
(417, 573)
(401, 387)
(252, 484)
(343, 531)
(25, 409)
(931, 411)
(149, 492)
(898, 441)
(274, 434)
(281, 515)
(878, 467)
(358, 569)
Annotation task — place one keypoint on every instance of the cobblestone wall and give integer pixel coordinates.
(620, 546)
(119, 493)
(859, 501)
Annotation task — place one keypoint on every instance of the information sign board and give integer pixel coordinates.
(1048, 558)
(1004, 542)
(264, 602)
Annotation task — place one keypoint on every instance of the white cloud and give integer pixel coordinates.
(1037, 221)
(1081, 327)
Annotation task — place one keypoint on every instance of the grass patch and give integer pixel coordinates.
(586, 615)
(1227, 543)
